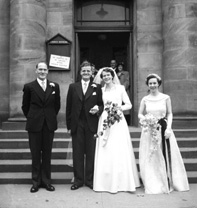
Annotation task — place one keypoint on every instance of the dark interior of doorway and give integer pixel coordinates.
(99, 48)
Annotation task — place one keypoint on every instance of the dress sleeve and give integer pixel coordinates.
(125, 99)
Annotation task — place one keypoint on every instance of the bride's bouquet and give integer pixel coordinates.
(114, 114)
(150, 123)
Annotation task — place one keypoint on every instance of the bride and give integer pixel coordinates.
(115, 167)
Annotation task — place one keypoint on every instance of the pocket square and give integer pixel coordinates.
(53, 92)
(94, 93)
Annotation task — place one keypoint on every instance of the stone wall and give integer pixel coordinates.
(4, 59)
(27, 47)
(149, 42)
(165, 42)
(180, 54)
(60, 20)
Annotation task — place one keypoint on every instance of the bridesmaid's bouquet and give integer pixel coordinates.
(114, 114)
(150, 123)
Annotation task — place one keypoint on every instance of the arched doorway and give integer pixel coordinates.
(103, 31)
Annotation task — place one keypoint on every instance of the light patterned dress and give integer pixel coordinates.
(153, 170)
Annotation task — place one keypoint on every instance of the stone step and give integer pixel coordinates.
(179, 122)
(64, 165)
(183, 133)
(61, 153)
(25, 178)
(62, 133)
(15, 162)
(64, 142)
(25, 166)
(59, 178)
(14, 124)
(24, 143)
(184, 122)
(20, 134)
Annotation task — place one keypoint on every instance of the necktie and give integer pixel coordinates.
(43, 85)
(85, 88)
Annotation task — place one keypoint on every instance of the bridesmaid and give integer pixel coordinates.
(161, 165)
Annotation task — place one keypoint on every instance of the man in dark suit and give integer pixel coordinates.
(113, 65)
(82, 112)
(40, 105)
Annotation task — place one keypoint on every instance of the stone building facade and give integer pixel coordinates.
(160, 38)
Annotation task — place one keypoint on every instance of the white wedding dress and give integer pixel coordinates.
(153, 172)
(115, 167)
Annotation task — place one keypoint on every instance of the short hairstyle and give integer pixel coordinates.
(150, 76)
(40, 63)
(107, 69)
(85, 63)
(120, 64)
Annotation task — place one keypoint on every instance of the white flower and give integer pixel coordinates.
(94, 85)
(52, 84)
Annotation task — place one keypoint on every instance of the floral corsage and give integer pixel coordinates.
(52, 84)
(94, 85)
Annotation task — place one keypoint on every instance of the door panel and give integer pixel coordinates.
(77, 56)
(129, 69)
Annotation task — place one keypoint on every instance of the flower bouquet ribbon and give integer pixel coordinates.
(112, 114)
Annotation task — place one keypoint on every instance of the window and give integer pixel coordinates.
(103, 13)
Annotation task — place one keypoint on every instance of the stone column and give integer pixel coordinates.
(180, 55)
(4, 58)
(149, 45)
(27, 46)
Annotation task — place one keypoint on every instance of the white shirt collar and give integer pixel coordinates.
(40, 81)
(82, 82)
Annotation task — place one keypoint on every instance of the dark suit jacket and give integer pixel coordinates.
(74, 103)
(39, 106)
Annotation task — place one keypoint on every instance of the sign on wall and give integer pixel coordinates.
(59, 61)
(58, 53)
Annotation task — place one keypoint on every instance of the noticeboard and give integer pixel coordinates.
(58, 53)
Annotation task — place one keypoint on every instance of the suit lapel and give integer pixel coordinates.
(79, 90)
(48, 90)
(89, 91)
(38, 90)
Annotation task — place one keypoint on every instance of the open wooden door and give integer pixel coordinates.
(77, 57)
(130, 70)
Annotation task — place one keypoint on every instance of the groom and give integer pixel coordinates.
(84, 105)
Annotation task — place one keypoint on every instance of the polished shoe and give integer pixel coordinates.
(48, 187)
(90, 186)
(75, 187)
(34, 189)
